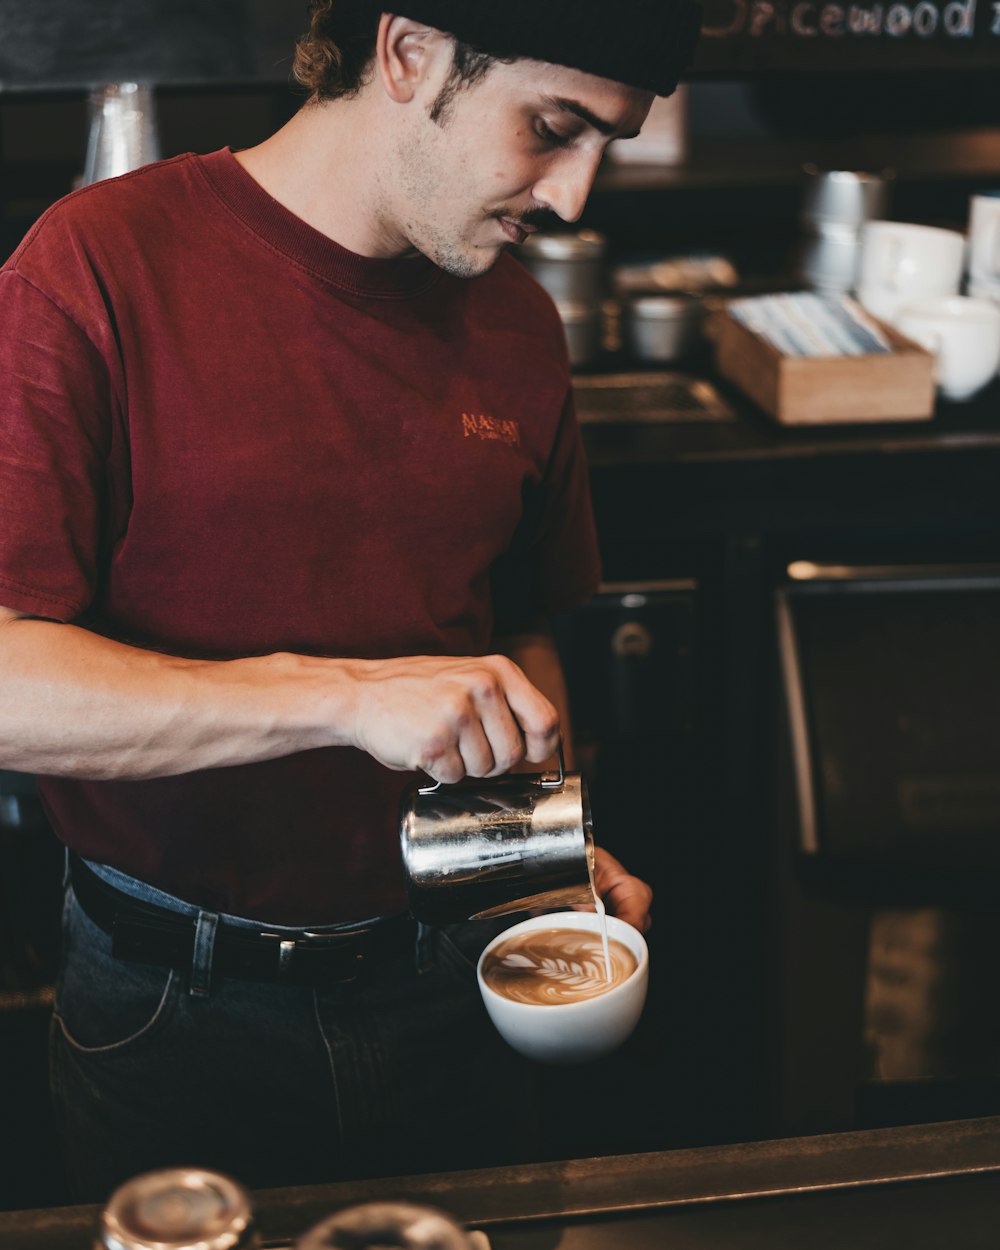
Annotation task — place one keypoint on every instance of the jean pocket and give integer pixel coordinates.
(103, 1003)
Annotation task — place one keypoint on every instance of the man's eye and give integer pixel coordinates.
(553, 137)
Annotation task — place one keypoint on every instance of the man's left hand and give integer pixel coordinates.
(623, 895)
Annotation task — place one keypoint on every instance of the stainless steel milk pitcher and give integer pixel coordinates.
(486, 848)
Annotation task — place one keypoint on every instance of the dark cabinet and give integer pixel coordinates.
(780, 964)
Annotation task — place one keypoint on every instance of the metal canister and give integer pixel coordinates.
(569, 264)
(487, 848)
(836, 204)
(377, 1225)
(123, 130)
(178, 1209)
(583, 326)
(664, 327)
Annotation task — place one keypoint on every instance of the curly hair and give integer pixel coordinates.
(335, 58)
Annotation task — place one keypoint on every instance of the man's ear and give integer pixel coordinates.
(405, 54)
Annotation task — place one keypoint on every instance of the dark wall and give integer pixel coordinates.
(75, 43)
(65, 43)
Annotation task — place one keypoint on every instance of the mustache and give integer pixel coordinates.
(539, 218)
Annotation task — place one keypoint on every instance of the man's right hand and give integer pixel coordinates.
(450, 717)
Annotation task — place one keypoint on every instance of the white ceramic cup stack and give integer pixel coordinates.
(984, 246)
(835, 207)
(902, 262)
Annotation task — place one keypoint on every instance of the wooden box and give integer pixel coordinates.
(820, 390)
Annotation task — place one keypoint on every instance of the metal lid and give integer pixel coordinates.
(575, 312)
(177, 1209)
(664, 307)
(581, 245)
(395, 1225)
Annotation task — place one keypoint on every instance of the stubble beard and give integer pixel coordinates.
(442, 250)
(419, 159)
(472, 261)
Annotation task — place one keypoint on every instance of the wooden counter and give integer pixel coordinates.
(917, 1186)
(706, 474)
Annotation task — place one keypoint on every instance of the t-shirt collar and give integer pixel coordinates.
(362, 275)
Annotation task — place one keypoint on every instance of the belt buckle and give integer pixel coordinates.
(311, 940)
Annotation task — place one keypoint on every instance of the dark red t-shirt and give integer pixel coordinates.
(222, 435)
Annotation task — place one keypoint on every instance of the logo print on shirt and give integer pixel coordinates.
(490, 429)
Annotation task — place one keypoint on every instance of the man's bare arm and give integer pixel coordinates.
(75, 704)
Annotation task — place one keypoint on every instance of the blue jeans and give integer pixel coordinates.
(397, 1072)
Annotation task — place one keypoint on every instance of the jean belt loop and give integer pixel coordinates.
(204, 945)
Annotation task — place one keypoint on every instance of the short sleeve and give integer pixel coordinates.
(54, 401)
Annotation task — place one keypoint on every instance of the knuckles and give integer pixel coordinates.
(441, 765)
(504, 761)
(484, 688)
(439, 714)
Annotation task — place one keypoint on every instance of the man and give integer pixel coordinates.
(284, 501)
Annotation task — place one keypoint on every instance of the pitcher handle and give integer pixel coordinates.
(548, 781)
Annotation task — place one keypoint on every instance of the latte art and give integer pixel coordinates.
(551, 966)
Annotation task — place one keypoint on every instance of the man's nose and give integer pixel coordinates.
(565, 188)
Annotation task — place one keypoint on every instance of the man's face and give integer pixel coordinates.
(511, 153)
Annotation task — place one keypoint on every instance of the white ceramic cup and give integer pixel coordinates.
(984, 239)
(964, 335)
(984, 290)
(989, 291)
(901, 262)
(571, 1032)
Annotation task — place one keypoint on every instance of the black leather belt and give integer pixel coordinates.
(145, 933)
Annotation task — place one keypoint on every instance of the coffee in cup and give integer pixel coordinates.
(549, 966)
(546, 988)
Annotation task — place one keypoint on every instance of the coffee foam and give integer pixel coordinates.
(553, 966)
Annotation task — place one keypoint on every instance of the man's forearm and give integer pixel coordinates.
(75, 704)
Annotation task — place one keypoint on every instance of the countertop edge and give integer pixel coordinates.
(604, 1185)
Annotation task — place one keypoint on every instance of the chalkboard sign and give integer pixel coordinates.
(743, 38)
(47, 44)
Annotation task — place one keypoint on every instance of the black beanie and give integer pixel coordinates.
(642, 43)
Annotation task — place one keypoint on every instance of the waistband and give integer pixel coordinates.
(145, 932)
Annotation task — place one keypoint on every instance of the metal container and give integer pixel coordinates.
(178, 1209)
(583, 326)
(487, 848)
(378, 1225)
(123, 133)
(846, 197)
(663, 328)
(836, 204)
(569, 265)
(829, 258)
